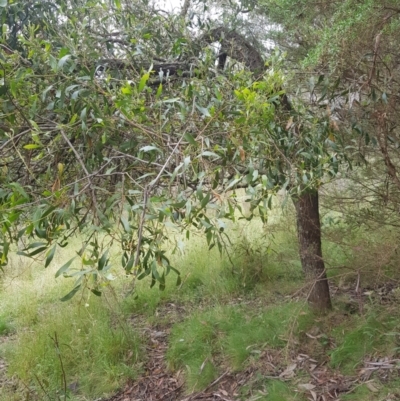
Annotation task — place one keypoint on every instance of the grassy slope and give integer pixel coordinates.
(232, 314)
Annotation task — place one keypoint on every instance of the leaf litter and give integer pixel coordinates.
(314, 379)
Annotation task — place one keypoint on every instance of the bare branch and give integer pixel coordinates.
(185, 8)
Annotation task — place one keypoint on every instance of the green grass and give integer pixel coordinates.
(93, 353)
(86, 338)
(229, 309)
(233, 334)
(259, 257)
(360, 393)
(359, 337)
(5, 327)
(279, 391)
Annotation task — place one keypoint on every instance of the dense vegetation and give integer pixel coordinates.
(127, 131)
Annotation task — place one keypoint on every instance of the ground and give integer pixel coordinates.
(309, 378)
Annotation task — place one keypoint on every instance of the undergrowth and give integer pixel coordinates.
(229, 333)
(375, 333)
(235, 306)
(83, 346)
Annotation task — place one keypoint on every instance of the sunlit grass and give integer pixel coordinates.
(83, 344)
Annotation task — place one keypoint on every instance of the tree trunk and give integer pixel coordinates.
(309, 235)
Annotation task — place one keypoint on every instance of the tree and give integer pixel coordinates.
(126, 131)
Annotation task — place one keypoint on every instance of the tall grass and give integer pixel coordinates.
(256, 258)
(232, 306)
(82, 344)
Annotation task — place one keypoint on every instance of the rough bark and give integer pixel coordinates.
(309, 235)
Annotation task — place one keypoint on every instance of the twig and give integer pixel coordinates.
(88, 176)
(141, 224)
(64, 377)
(147, 191)
(216, 381)
(13, 138)
(376, 51)
(42, 387)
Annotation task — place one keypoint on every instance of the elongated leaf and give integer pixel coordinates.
(71, 293)
(125, 224)
(33, 253)
(209, 154)
(64, 267)
(143, 81)
(149, 148)
(31, 146)
(203, 111)
(205, 200)
(63, 60)
(50, 255)
(159, 91)
(103, 260)
(190, 139)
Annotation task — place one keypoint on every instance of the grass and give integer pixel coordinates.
(4, 326)
(233, 334)
(376, 333)
(260, 257)
(232, 308)
(279, 391)
(84, 339)
(94, 355)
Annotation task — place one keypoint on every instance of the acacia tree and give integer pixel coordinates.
(121, 133)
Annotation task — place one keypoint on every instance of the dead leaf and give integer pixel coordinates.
(306, 386)
(289, 371)
(242, 154)
(289, 123)
(371, 387)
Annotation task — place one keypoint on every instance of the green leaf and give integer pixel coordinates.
(31, 146)
(203, 111)
(126, 90)
(125, 224)
(190, 139)
(33, 253)
(205, 200)
(63, 60)
(71, 293)
(64, 267)
(50, 255)
(3, 3)
(129, 265)
(103, 260)
(209, 154)
(143, 81)
(159, 91)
